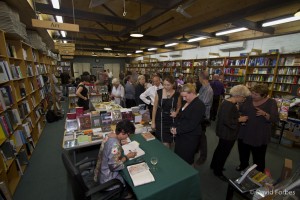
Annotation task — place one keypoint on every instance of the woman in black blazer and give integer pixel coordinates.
(189, 129)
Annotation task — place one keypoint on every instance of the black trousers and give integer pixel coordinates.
(214, 107)
(258, 155)
(130, 103)
(220, 155)
(203, 144)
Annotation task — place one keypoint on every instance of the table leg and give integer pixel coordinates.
(282, 129)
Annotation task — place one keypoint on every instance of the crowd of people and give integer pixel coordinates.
(181, 109)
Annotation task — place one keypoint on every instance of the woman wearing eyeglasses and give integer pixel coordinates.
(228, 122)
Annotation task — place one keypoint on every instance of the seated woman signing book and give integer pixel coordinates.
(110, 158)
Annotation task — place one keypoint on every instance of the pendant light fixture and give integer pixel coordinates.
(137, 34)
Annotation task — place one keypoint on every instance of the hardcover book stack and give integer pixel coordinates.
(10, 22)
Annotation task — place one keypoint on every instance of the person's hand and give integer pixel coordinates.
(260, 112)
(173, 114)
(124, 142)
(173, 130)
(243, 118)
(131, 154)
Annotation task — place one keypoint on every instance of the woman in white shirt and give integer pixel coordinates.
(117, 93)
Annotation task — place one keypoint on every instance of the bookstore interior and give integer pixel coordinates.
(250, 43)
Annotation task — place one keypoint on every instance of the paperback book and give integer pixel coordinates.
(140, 174)
(84, 122)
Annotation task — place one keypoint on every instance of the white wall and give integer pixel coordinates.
(285, 44)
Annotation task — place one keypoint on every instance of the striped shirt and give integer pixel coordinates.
(206, 95)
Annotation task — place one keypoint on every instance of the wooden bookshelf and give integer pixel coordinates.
(281, 72)
(26, 92)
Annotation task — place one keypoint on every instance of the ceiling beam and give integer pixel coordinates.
(107, 42)
(68, 12)
(104, 27)
(84, 46)
(253, 26)
(99, 31)
(156, 3)
(232, 16)
(153, 13)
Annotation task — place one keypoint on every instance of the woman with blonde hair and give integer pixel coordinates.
(188, 131)
(139, 89)
(227, 127)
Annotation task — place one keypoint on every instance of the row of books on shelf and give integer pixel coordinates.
(289, 71)
(261, 71)
(234, 79)
(262, 61)
(289, 61)
(6, 97)
(18, 147)
(235, 71)
(260, 78)
(11, 72)
(39, 69)
(236, 62)
(288, 79)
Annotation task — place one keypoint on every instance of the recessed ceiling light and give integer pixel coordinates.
(139, 51)
(129, 54)
(55, 4)
(171, 44)
(231, 31)
(65, 41)
(107, 48)
(59, 19)
(281, 21)
(196, 39)
(152, 49)
(63, 33)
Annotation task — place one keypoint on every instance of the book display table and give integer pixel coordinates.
(174, 178)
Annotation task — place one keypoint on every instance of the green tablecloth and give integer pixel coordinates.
(174, 178)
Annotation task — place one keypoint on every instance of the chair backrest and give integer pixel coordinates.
(74, 177)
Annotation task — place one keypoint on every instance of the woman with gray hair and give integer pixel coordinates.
(227, 127)
(118, 92)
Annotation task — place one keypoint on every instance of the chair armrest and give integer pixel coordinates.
(85, 160)
(104, 186)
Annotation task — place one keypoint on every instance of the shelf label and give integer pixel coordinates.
(55, 25)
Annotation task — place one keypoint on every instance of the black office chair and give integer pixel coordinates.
(80, 176)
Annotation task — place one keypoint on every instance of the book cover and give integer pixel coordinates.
(8, 150)
(133, 147)
(96, 121)
(84, 122)
(3, 74)
(128, 115)
(71, 125)
(71, 115)
(23, 157)
(5, 125)
(82, 139)
(116, 116)
(106, 118)
(5, 190)
(140, 174)
(79, 111)
(5, 96)
(148, 136)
